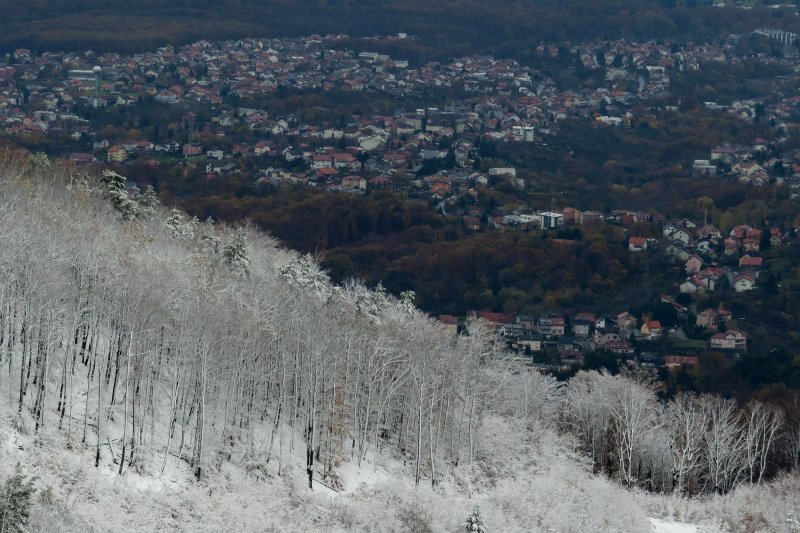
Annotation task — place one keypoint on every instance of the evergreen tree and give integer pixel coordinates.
(178, 227)
(235, 253)
(209, 242)
(148, 202)
(113, 187)
(474, 522)
(15, 502)
(39, 160)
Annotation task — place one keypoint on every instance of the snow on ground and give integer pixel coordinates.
(533, 488)
(660, 526)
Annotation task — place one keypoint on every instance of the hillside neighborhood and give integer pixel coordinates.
(209, 94)
(59, 96)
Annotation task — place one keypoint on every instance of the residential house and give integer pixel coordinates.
(682, 236)
(326, 174)
(117, 153)
(731, 246)
(191, 149)
(705, 246)
(652, 330)
(319, 161)
(380, 183)
(582, 324)
(709, 231)
(528, 342)
(751, 245)
(605, 321)
(694, 264)
(450, 324)
(775, 238)
(566, 344)
(606, 335)
(696, 284)
(493, 321)
(707, 319)
(745, 281)
(527, 322)
(354, 183)
(571, 357)
(261, 148)
(551, 325)
(729, 340)
(346, 160)
(637, 244)
(750, 262)
(588, 217)
(472, 223)
(619, 347)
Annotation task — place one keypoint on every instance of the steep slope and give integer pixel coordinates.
(157, 373)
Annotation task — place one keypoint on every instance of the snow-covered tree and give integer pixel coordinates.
(474, 523)
(407, 302)
(302, 271)
(724, 445)
(148, 203)
(179, 227)
(209, 242)
(39, 161)
(687, 421)
(112, 185)
(15, 502)
(762, 423)
(235, 253)
(372, 303)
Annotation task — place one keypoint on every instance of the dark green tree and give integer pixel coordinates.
(15, 502)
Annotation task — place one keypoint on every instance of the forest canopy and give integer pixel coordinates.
(443, 28)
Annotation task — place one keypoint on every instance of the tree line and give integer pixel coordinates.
(444, 29)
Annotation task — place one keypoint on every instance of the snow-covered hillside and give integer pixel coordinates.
(159, 373)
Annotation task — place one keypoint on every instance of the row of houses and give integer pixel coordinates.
(585, 332)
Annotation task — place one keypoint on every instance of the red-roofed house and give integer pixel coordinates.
(472, 223)
(751, 245)
(750, 262)
(731, 246)
(327, 173)
(637, 244)
(117, 153)
(619, 347)
(652, 329)
(745, 282)
(450, 324)
(322, 161)
(380, 182)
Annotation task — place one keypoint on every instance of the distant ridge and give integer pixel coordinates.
(449, 27)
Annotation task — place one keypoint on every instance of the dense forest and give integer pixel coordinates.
(443, 28)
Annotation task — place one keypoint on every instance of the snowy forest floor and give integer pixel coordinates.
(534, 486)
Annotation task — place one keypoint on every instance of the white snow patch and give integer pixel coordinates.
(660, 526)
